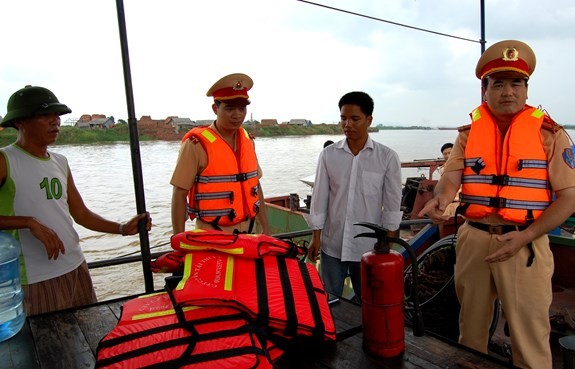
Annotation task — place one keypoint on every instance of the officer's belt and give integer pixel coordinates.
(497, 229)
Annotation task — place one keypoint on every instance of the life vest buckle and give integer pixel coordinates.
(497, 202)
(232, 215)
(501, 180)
(240, 177)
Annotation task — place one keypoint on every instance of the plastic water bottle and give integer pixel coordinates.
(12, 315)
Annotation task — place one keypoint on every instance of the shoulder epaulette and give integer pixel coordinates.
(194, 139)
(464, 128)
(251, 135)
(550, 125)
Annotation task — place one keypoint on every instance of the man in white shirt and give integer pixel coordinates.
(357, 180)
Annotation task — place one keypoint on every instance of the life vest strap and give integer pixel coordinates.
(505, 180)
(240, 177)
(263, 316)
(211, 356)
(135, 335)
(500, 202)
(142, 350)
(319, 326)
(289, 300)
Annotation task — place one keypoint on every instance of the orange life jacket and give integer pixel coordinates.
(151, 333)
(241, 244)
(506, 175)
(282, 294)
(226, 191)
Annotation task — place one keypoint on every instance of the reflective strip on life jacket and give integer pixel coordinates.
(151, 334)
(507, 181)
(501, 203)
(231, 178)
(289, 298)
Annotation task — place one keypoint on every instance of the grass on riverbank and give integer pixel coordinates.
(293, 130)
(74, 135)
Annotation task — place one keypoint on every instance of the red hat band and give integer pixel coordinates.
(229, 93)
(502, 65)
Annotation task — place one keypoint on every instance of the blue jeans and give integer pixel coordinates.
(334, 271)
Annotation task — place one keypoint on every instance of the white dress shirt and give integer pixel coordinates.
(355, 188)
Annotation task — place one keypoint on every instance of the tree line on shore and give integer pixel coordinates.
(74, 135)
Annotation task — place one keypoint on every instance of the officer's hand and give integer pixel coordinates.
(434, 209)
(513, 242)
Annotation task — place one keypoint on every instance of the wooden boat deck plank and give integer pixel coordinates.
(69, 339)
(95, 329)
(60, 342)
(18, 353)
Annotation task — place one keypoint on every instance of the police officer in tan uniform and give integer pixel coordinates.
(230, 100)
(498, 254)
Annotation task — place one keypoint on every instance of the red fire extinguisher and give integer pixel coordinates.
(382, 295)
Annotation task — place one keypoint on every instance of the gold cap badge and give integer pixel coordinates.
(510, 54)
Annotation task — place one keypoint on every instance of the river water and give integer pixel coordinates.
(103, 175)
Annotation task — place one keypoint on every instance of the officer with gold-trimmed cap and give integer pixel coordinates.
(216, 179)
(516, 170)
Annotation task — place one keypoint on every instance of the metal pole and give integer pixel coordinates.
(482, 40)
(135, 149)
(482, 11)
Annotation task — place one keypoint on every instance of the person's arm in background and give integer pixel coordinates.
(449, 183)
(443, 195)
(262, 216)
(179, 209)
(186, 168)
(391, 214)
(319, 207)
(87, 218)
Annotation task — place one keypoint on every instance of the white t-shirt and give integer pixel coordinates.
(38, 187)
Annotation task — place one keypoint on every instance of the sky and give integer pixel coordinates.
(302, 57)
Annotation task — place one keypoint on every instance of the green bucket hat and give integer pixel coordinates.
(30, 101)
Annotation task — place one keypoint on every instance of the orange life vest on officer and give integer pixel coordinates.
(506, 175)
(226, 191)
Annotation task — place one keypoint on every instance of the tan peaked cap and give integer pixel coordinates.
(231, 87)
(510, 56)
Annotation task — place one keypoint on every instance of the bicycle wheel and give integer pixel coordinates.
(437, 297)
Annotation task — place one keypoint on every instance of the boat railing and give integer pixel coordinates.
(287, 235)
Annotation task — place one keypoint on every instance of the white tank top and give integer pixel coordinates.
(38, 187)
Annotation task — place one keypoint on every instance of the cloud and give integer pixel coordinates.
(302, 57)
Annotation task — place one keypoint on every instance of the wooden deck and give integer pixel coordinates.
(68, 340)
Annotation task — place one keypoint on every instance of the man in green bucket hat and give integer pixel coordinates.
(39, 203)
